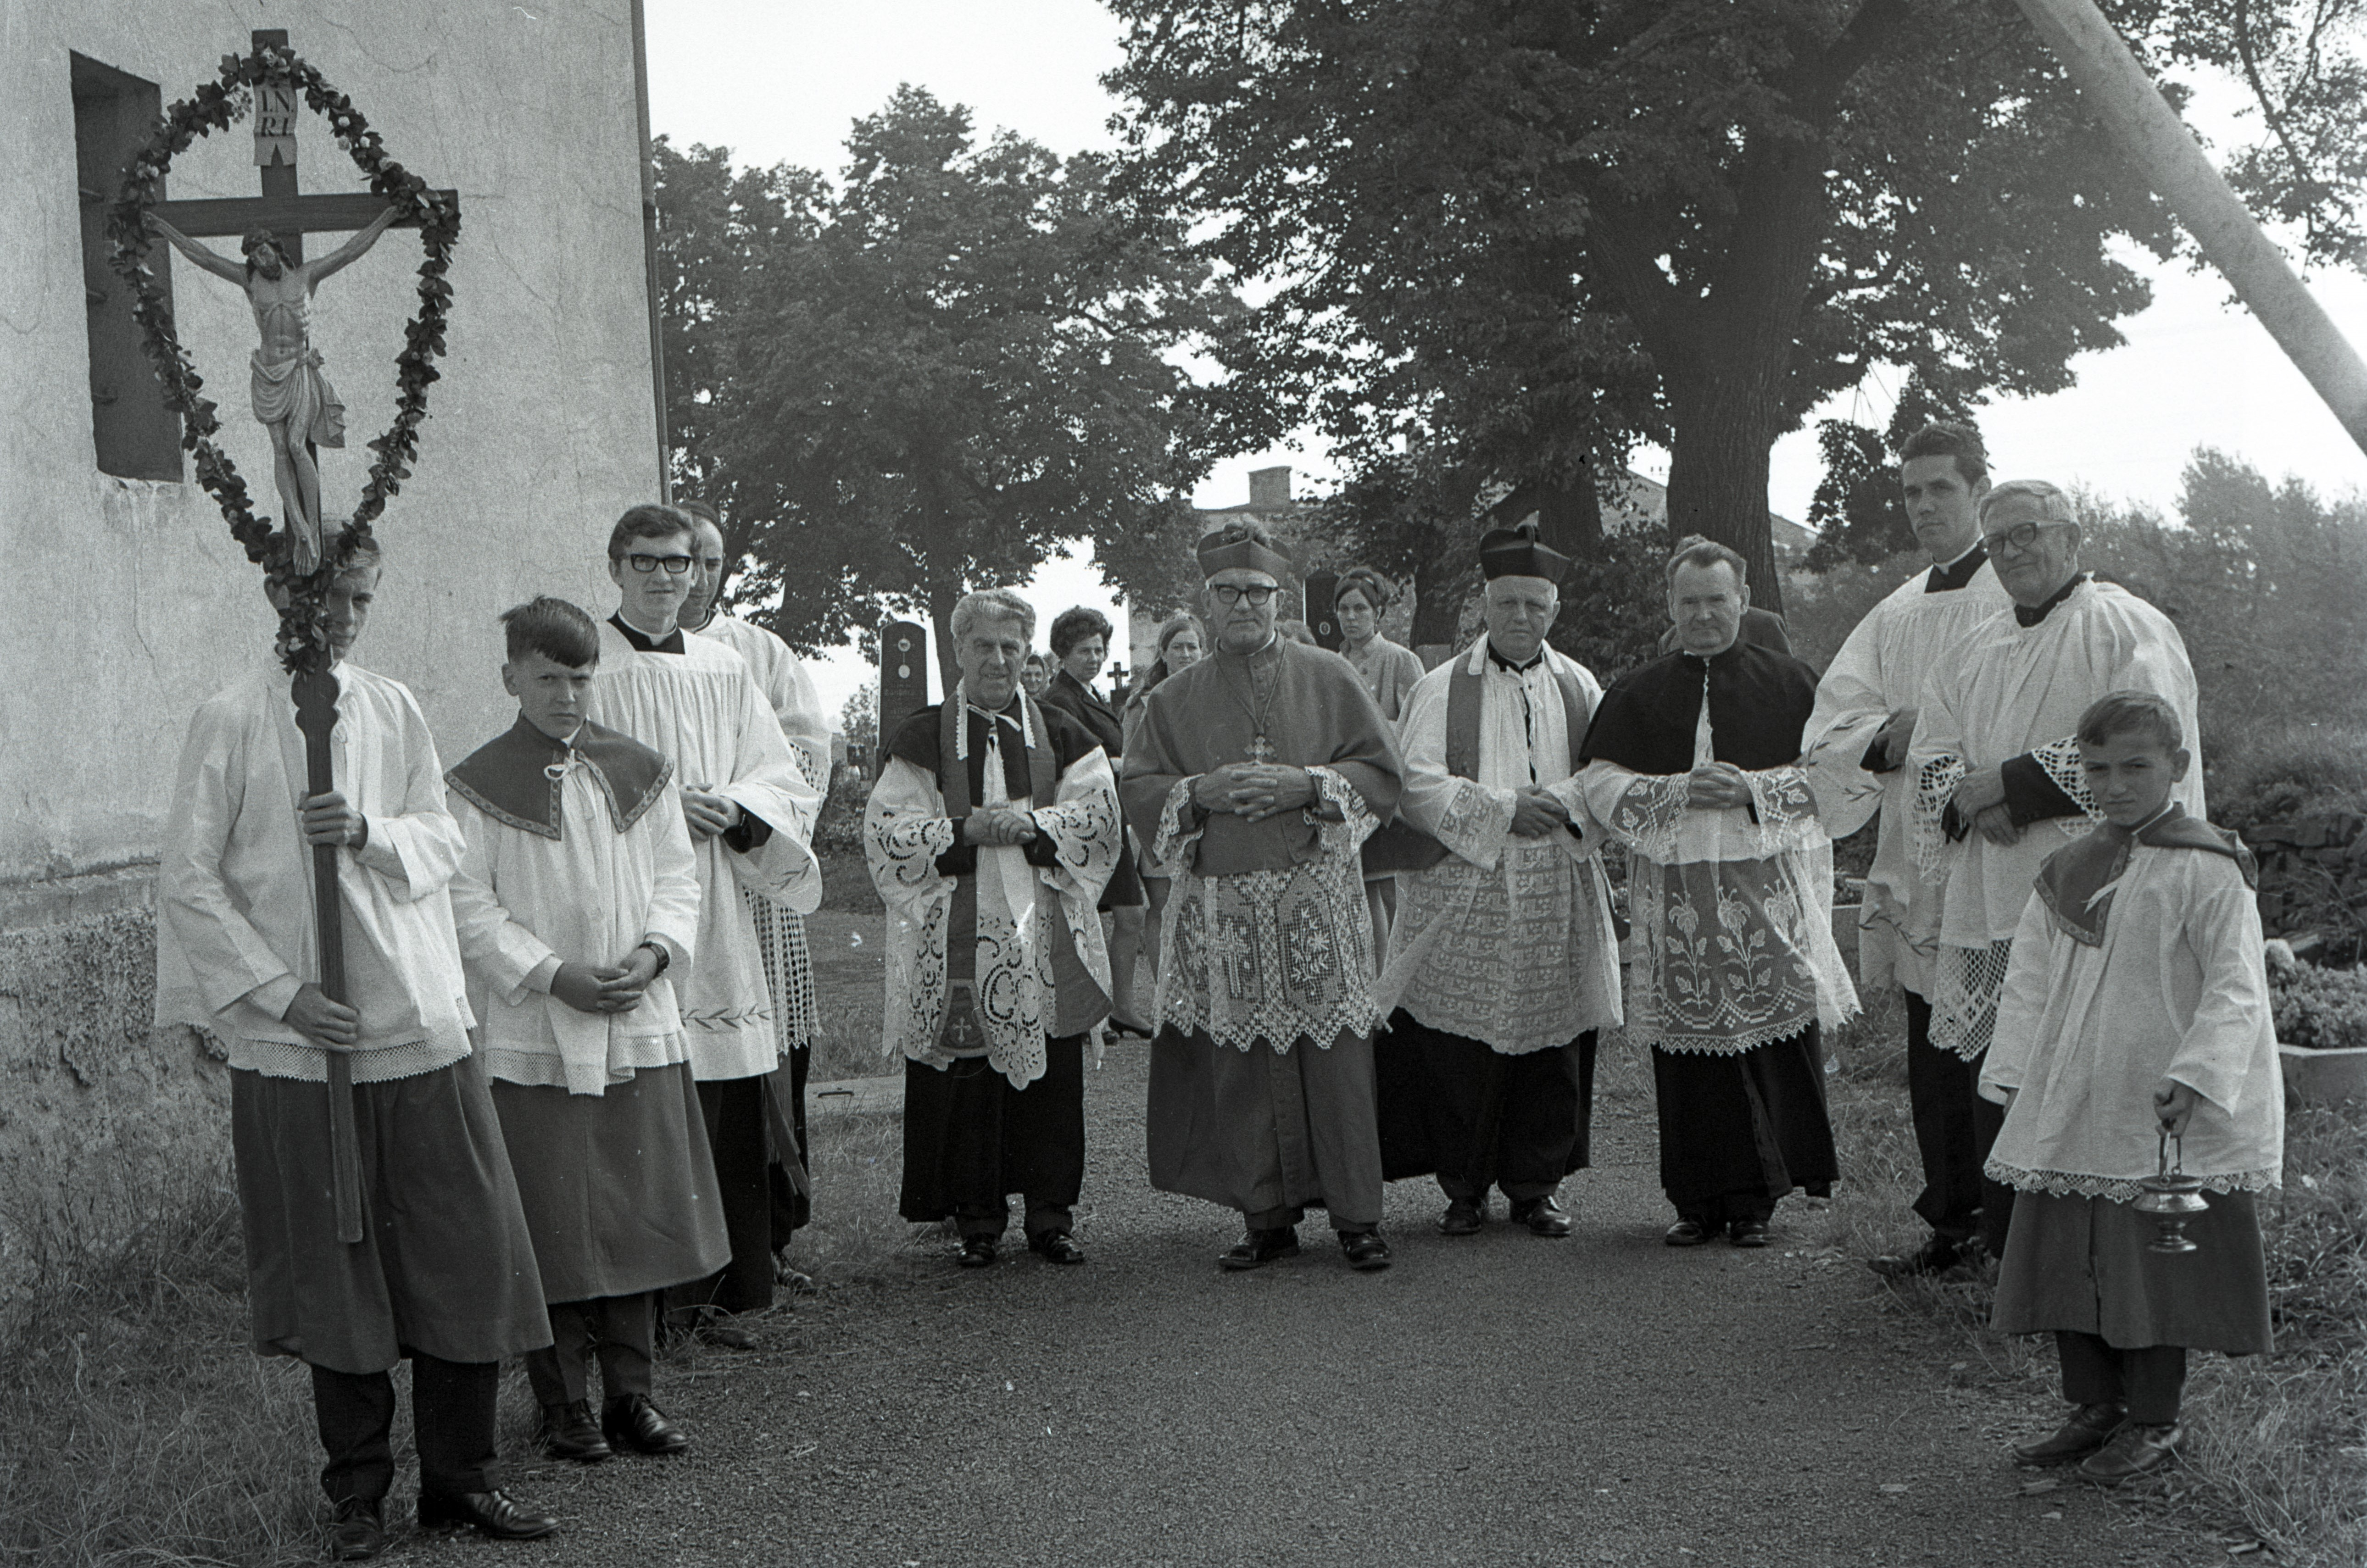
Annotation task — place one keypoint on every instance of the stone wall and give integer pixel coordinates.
(2314, 878)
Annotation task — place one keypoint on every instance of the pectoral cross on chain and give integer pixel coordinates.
(1262, 750)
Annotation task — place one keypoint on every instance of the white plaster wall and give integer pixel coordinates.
(127, 602)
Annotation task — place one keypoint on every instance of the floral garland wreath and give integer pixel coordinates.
(303, 638)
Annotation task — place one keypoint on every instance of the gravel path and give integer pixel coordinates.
(1492, 1400)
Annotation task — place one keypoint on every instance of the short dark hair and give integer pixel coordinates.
(650, 521)
(558, 630)
(2132, 713)
(1363, 580)
(1073, 626)
(702, 512)
(1949, 438)
(1695, 550)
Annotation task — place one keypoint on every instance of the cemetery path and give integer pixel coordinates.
(1495, 1400)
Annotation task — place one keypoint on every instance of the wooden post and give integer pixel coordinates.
(316, 714)
(2164, 151)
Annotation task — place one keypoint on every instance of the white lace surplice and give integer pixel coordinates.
(701, 708)
(1507, 940)
(1878, 671)
(2011, 690)
(1734, 914)
(524, 904)
(905, 828)
(235, 936)
(1272, 954)
(2177, 990)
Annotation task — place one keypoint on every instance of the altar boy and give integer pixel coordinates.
(576, 896)
(2137, 1006)
(444, 1274)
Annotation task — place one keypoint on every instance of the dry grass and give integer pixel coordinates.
(2277, 1442)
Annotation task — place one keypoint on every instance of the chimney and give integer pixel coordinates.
(1270, 489)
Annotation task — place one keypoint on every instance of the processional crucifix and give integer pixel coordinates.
(293, 402)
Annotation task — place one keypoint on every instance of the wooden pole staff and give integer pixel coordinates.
(316, 714)
(2156, 141)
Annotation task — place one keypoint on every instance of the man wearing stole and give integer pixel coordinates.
(1505, 962)
(1692, 763)
(989, 836)
(1256, 775)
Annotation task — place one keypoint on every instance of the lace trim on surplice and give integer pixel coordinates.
(2118, 1189)
(1727, 949)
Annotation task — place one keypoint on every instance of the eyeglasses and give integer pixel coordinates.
(1257, 593)
(2021, 536)
(675, 565)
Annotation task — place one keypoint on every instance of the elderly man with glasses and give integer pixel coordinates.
(1998, 779)
(751, 813)
(1255, 777)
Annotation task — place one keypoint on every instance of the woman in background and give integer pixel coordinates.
(1081, 639)
(1181, 640)
(1035, 677)
(1389, 671)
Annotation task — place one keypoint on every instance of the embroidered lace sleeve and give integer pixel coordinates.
(2048, 782)
(1644, 812)
(904, 831)
(1475, 821)
(1176, 849)
(1784, 806)
(1082, 827)
(1936, 778)
(1343, 821)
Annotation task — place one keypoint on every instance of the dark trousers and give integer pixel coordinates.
(2147, 1381)
(1478, 1118)
(452, 1418)
(1954, 1128)
(970, 1140)
(618, 1331)
(739, 1134)
(792, 1208)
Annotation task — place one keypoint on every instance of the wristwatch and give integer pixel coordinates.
(664, 957)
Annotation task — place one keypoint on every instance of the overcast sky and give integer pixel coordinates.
(782, 80)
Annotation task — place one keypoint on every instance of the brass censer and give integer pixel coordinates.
(2171, 1196)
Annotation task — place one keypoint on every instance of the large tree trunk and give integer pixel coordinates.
(1717, 471)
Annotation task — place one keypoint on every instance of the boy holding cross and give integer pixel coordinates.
(444, 1275)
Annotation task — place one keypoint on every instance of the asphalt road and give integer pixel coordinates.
(1495, 1400)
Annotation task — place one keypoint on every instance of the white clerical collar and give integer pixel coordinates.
(1948, 566)
(660, 635)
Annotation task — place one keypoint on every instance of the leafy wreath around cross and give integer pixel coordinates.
(303, 639)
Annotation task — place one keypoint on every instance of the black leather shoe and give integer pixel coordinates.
(1685, 1233)
(977, 1252)
(1747, 1233)
(2082, 1435)
(634, 1424)
(1936, 1256)
(569, 1432)
(494, 1513)
(1462, 1217)
(2138, 1448)
(1543, 1216)
(1366, 1250)
(359, 1533)
(1056, 1246)
(1259, 1248)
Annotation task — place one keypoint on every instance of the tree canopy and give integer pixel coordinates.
(926, 377)
(1514, 233)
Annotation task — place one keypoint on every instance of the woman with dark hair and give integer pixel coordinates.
(1388, 670)
(1081, 638)
(1035, 676)
(1181, 640)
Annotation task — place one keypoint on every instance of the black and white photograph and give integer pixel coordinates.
(1184, 784)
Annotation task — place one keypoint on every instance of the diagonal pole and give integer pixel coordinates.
(316, 714)
(2153, 139)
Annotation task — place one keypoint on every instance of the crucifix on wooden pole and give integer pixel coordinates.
(294, 403)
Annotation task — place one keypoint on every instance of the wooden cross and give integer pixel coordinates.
(289, 216)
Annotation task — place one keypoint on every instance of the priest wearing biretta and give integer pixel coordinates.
(1505, 962)
(1255, 776)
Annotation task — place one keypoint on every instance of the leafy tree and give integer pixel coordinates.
(1858, 511)
(1522, 231)
(962, 359)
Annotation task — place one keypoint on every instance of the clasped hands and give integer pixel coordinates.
(607, 987)
(1254, 791)
(708, 814)
(1717, 786)
(1979, 800)
(1536, 813)
(999, 826)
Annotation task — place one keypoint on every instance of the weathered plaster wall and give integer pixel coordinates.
(130, 603)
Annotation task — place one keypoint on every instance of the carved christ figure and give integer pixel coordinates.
(292, 399)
